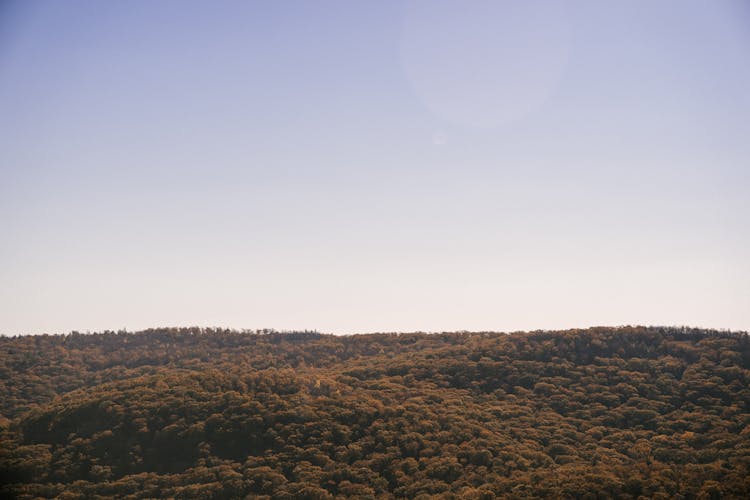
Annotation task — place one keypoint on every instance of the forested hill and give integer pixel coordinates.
(204, 413)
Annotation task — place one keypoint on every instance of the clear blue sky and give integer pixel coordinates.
(369, 166)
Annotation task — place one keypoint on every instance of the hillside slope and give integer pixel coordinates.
(195, 413)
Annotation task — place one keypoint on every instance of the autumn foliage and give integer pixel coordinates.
(207, 413)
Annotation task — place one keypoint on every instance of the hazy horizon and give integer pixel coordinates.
(394, 166)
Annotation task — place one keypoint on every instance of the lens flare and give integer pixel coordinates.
(493, 63)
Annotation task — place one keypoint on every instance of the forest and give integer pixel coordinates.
(626, 412)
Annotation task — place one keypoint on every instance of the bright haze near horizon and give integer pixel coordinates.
(381, 166)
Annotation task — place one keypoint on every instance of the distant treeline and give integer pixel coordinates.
(656, 412)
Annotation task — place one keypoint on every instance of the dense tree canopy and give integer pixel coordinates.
(208, 413)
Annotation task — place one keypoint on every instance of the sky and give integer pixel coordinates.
(356, 167)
